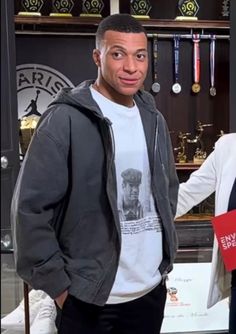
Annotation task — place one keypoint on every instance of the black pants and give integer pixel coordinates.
(232, 309)
(232, 312)
(140, 316)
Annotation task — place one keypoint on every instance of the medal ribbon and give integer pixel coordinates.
(196, 58)
(212, 59)
(155, 56)
(176, 57)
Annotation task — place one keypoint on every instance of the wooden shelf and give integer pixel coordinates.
(187, 166)
(200, 24)
(198, 217)
(55, 21)
(50, 21)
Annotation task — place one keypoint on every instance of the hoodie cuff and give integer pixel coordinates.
(51, 278)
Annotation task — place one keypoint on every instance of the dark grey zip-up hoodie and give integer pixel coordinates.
(64, 208)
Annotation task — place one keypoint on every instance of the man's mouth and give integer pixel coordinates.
(128, 81)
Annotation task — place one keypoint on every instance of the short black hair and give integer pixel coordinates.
(118, 22)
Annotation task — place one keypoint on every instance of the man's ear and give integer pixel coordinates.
(96, 57)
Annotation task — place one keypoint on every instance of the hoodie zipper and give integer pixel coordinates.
(109, 123)
(155, 145)
(157, 148)
(109, 170)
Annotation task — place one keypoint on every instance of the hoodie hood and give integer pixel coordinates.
(80, 97)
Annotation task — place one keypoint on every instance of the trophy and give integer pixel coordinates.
(225, 11)
(181, 156)
(31, 7)
(221, 133)
(28, 123)
(92, 8)
(188, 10)
(172, 292)
(200, 153)
(27, 127)
(140, 8)
(6, 239)
(62, 8)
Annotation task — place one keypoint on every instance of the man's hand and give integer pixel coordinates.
(61, 299)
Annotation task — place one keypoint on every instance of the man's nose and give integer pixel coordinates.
(130, 64)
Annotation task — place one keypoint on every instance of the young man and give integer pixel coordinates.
(106, 275)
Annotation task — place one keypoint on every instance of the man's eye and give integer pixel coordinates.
(117, 55)
(141, 56)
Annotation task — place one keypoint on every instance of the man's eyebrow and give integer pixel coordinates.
(124, 49)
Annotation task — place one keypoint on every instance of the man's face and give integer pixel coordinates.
(123, 63)
(131, 191)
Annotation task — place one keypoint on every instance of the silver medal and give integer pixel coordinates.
(212, 91)
(176, 88)
(156, 87)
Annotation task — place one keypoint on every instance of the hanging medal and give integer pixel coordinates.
(212, 65)
(155, 86)
(196, 63)
(176, 88)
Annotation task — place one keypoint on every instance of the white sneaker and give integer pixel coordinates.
(11, 331)
(16, 319)
(44, 322)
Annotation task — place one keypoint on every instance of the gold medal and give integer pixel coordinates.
(196, 64)
(196, 87)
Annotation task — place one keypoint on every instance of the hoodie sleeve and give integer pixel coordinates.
(173, 178)
(41, 186)
(173, 181)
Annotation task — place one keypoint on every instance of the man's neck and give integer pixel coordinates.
(112, 95)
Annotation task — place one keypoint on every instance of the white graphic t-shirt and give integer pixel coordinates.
(141, 229)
